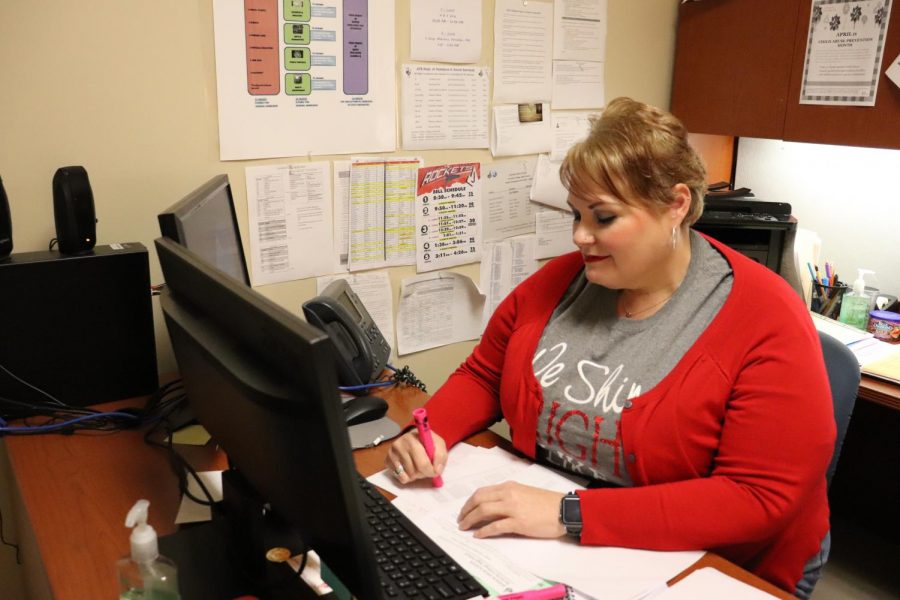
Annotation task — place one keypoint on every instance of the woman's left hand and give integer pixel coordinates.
(511, 507)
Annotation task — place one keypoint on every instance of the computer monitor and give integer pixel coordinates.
(205, 222)
(264, 384)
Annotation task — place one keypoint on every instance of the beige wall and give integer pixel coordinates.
(128, 90)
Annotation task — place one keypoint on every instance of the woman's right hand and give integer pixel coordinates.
(407, 460)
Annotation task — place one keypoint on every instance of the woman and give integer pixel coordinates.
(683, 378)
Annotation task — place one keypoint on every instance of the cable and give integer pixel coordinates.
(53, 242)
(36, 429)
(7, 543)
(52, 398)
(365, 386)
(405, 375)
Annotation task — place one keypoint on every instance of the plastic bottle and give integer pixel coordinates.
(145, 575)
(856, 303)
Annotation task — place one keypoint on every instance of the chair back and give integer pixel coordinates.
(843, 377)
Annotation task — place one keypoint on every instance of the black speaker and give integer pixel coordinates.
(73, 211)
(5, 225)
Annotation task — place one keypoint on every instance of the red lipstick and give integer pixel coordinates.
(591, 259)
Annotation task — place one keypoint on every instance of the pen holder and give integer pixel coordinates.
(826, 299)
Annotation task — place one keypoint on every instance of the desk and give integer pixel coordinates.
(879, 391)
(73, 492)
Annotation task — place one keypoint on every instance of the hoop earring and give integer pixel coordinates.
(674, 237)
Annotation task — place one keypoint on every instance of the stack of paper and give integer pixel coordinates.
(708, 583)
(873, 355)
(512, 563)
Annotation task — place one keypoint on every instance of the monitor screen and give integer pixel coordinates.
(205, 222)
(263, 382)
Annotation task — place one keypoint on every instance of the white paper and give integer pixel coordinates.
(523, 51)
(547, 188)
(601, 572)
(444, 106)
(710, 584)
(893, 71)
(553, 233)
(445, 30)
(437, 309)
(569, 128)
(192, 512)
(341, 214)
(448, 216)
(507, 210)
(579, 30)
(290, 220)
(844, 51)
(328, 100)
(382, 206)
(374, 290)
(578, 84)
(521, 129)
(505, 265)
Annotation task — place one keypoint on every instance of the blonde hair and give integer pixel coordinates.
(638, 153)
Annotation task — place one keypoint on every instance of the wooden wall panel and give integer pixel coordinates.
(876, 126)
(733, 65)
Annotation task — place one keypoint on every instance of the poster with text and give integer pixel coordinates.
(448, 216)
(297, 77)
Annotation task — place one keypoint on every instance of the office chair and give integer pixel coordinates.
(843, 377)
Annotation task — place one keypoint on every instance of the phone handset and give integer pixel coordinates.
(361, 351)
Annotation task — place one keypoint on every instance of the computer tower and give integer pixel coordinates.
(78, 327)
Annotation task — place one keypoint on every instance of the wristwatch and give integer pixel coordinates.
(570, 514)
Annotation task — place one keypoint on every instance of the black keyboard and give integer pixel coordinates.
(410, 565)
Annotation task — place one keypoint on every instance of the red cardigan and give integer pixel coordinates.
(727, 453)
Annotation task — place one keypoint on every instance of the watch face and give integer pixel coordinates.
(572, 509)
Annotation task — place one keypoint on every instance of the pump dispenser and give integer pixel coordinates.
(145, 574)
(856, 303)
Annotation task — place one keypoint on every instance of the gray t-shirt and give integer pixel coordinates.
(590, 362)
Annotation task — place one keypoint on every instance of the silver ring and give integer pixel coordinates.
(398, 470)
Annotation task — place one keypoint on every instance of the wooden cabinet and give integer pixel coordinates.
(738, 70)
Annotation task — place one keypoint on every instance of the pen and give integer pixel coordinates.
(554, 592)
(421, 417)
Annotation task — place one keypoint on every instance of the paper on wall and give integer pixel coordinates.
(444, 106)
(553, 233)
(893, 71)
(521, 129)
(290, 221)
(504, 265)
(341, 216)
(437, 309)
(547, 188)
(445, 31)
(523, 51)
(579, 30)
(289, 86)
(578, 84)
(569, 128)
(374, 290)
(448, 216)
(507, 210)
(382, 206)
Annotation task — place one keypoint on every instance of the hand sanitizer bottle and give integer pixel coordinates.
(855, 304)
(145, 575)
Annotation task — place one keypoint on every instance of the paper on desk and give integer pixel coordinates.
(608, 573)
(437, 309)
(192, 512)
(521, 129)
(845, 334)
(710, 584)
(886, 367)
(547, 188)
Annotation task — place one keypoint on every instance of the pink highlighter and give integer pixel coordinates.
(421, 417)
